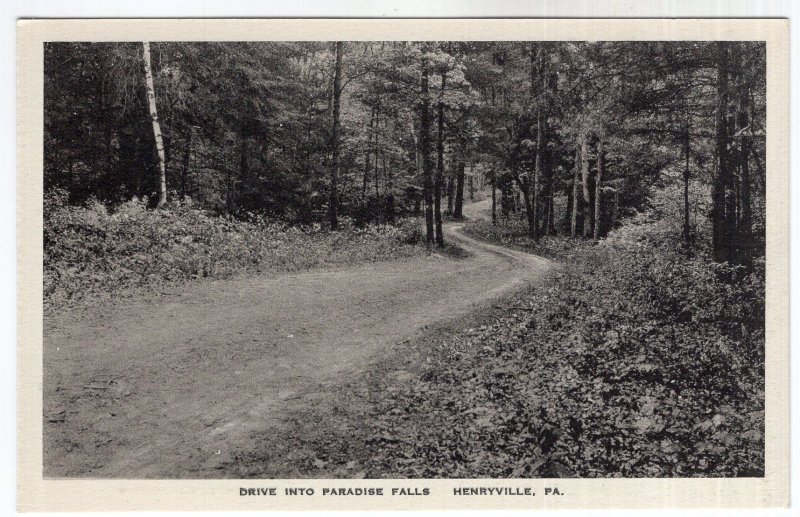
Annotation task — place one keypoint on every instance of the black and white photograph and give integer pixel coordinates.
(404, 259)
(402, 264)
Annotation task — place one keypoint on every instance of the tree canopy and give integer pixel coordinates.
(310, 131)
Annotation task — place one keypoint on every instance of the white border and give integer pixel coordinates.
(187, 8)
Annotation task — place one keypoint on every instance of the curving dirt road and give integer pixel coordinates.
(176, 386)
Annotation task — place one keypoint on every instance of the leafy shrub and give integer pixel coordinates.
(513, 233)
(91, 252)
(411, 231)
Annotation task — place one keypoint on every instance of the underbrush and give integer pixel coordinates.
(633, 360)
(513, 233)
(91, 252)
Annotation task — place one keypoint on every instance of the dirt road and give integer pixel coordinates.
(175, 386)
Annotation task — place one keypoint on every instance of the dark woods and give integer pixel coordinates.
(569, 136)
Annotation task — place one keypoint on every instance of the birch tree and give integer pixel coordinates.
(151, 103)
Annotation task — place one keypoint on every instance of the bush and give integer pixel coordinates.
(411, 231)
(92, 252)
(513, 233)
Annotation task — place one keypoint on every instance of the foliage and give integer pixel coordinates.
(246, 125)
(633, 360)
(513, 234)
(91, 251)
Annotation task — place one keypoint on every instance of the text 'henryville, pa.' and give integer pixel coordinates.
(394, 491)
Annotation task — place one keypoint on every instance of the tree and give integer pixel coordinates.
(598, 198)
(333, 206)
(587, 202)
(151, 102)
(575, 182)
(532, 186)
(440, 162)
(458, 205)
(425, 146)
(722, 224)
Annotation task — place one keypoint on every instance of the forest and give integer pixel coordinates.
(310, 132)
(637, 167)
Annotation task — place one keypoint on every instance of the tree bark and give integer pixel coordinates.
(539, 96)
(450, 192)
(598, 196)
(425, 149)
(587, 203)
(333, 203)
(719, 212)
(537, 174)
(687, 238)
(458, 206)
(494, 198)
(367, 156)
(387, 172)
(574, 223)
(531, 183)
(437, 201)
(746, 221)
(377, 149)
(243, 169)
(151, 102)
(187, 158)
(471, 183)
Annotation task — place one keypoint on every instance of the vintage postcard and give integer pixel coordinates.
(403, 264)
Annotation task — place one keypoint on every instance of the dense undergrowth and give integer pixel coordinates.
(513, 233)
(91, 252)
(633, 360)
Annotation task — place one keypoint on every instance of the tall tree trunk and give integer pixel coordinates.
(527, 193)
(458, 206)
(587, 202)
(538, 76)
(425, 149)
(687, 237)
(243, 169)
(471, 183)
(537, 174)
(551, 88)
(615, 211)
(151, 102)
(525, 189)
(70, 174)
(568, 193)
(450, 192)
(574, 223)
(720, 218)
(387, 171)
(746, 223)
(506, 198)
(333, 204)
(417, 158)
(187, 158)
(437, 201)
(598, 195)
(494, 198)
(531, 184)
(368, 154)
(377, 149)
